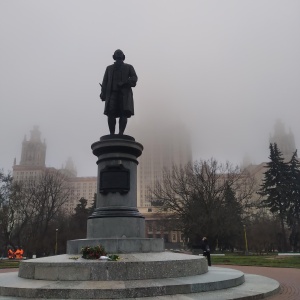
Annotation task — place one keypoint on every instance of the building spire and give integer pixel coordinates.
(33, 150)
(285, 141)
(69, 169)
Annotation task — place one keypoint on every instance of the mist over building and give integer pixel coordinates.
(286, 144)
(164, 147)
(284, 140)
(166, 144)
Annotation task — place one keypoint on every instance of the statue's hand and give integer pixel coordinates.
(102, 97)
(131, 82)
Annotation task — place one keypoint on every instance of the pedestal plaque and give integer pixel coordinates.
(114, 179)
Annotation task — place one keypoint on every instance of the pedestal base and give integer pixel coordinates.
(128, 245)
(122, 227)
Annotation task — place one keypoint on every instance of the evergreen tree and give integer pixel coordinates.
(231, 219)
(275, 187)
(80, 209)
(293, 216)
(79, 220)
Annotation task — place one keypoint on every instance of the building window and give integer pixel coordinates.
(174, 238)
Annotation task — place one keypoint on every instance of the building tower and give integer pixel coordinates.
(33, 157)
(163, 148)
(69, 169)
(285, 141)
(33, 150)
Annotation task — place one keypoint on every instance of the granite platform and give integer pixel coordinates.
(134, 266)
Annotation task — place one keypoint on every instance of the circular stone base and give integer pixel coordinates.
(136, 266)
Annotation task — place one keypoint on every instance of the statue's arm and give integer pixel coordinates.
(132, 80)
(104, 85)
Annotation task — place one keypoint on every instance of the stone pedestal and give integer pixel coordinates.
(116, 214)
(116, 222)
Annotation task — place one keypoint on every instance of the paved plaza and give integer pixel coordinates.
(288, 278)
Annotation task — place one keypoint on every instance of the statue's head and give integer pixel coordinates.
(119, 55)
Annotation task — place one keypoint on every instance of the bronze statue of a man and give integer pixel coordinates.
(116, 91)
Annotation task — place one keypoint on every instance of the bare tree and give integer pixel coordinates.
(37, 203)
(263, 233)
(195, 195)
(7, 211)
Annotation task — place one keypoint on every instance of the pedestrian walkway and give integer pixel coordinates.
(288, 278)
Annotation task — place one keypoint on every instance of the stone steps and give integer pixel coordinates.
(255, 287)
(216, 279)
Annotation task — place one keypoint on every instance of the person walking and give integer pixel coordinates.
(206, 250)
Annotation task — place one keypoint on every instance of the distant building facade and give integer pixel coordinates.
(81, 187)
(157, 226)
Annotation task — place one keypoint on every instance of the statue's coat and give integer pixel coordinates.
(129, 76)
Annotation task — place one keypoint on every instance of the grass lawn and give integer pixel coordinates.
(258, 260)
(7, 263)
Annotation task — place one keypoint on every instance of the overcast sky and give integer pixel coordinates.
(227, 70)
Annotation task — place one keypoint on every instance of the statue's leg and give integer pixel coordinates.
(122, 124)
(111, 124)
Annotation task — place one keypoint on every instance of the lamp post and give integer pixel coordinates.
(56, 241)
(246, 242)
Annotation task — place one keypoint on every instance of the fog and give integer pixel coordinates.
(227, 70)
